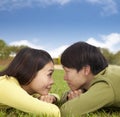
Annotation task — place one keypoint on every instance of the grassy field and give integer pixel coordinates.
(59, 87)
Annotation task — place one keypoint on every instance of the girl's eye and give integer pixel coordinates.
(50, 74)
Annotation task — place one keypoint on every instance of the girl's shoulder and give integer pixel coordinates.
(8, 79)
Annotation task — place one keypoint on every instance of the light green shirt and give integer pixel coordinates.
(12, 95)
(104, 91)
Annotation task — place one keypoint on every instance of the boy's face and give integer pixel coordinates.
(75, 79)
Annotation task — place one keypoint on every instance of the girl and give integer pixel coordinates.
(30, 72)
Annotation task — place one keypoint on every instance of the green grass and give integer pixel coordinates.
(59, 87)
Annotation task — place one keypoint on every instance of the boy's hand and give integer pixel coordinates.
(73, 94)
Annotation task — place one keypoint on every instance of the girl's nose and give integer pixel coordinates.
(52, 81)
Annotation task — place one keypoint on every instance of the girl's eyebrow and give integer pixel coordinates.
(52, 70)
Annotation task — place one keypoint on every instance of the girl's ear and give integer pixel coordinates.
(87, 69)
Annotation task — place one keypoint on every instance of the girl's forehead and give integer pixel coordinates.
(48, 67)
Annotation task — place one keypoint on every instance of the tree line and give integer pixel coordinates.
(7, 51)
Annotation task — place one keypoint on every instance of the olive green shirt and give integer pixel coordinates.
(104, 91)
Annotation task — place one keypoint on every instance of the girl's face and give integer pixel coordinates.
(43, 81)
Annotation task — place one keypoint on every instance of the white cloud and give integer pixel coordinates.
(61, 2)
(58, 51)
(25, 43)
(111, 41)
(108, 6)
(54, 53)
(16, 4)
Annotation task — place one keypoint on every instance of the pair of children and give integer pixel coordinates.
(93, 83)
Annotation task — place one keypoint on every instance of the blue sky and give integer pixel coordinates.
(53, 25)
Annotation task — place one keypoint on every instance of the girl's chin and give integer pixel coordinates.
(45, 93)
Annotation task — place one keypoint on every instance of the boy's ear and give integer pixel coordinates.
(87, 69)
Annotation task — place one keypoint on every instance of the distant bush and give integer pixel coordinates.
(56, 60)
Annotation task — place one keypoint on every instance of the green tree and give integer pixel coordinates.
(4, 50)
(8, 51)
(14, 49)
(117, 58)
(108, 55)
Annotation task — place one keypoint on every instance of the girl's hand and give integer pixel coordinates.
(73, 94)
(48, 98)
